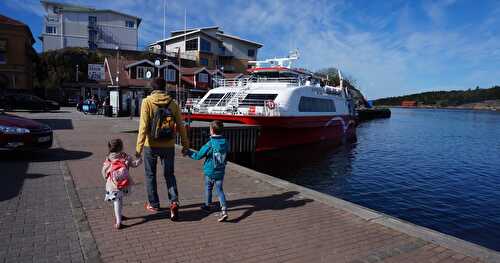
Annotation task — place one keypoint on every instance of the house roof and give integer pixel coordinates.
(194, 28)
(215, 71)
(182, 35)
(193, 71)
(140, 62)
(78, 8)
(4, 20)
(123, 77)
(233, 75)
(241, 39)
(166, 64)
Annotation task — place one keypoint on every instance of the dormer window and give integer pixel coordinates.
(129, 24)
(203, 77)
(145, 72)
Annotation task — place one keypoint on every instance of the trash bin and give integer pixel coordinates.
(108, 111)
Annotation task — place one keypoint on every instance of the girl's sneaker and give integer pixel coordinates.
(223, 216)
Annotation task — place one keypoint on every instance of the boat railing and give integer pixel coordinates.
(243, 82)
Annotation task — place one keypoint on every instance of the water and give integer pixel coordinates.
(435, 168)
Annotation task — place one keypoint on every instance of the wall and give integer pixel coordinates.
(239, 49)
(18, 67)
(112, 31)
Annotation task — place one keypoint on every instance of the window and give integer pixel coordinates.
(204, 61)
(129, 24)
(192, 44)
(92, 20)
(205, 45)
(251, 52)
(3, 51)
(50, 30)
(203, 77)
(308, 104)
(170, 74)
(257, 99)
(142, 72)
(222, 49)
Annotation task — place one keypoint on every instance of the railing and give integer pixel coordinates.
(238, 83)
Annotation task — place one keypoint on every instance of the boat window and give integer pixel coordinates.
(256, 99)
(309, 104)
(212, 99)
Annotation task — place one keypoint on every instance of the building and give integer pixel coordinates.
(67, 25)
(16, 55)
(210, 47)
(408, 103)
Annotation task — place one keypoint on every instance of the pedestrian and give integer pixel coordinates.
(160, 119)
(215, 152)
(115, 171)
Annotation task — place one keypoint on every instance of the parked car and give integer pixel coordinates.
(17, 133)
(27, 102)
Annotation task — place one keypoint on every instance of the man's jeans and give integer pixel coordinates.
(209, 185)
(166, 156)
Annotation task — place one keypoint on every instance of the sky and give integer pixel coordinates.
(389, 47)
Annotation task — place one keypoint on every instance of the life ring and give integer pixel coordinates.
(270, 104)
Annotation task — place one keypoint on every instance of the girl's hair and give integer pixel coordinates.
(115, 146)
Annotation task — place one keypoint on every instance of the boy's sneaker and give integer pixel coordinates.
(174, 211)
(151, 208)
(223, 216)
(206, 208)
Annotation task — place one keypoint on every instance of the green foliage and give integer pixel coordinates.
(55, 67)
(445, 98)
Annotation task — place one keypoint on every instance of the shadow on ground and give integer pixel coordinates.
(249, 206)
(57, 124)
(14, 167)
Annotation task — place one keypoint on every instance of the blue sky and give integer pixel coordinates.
(389, 47)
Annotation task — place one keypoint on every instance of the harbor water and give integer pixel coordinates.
(435, 168)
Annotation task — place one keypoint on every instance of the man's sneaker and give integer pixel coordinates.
(206, 208)
(151, 208)
(174, 211)
(223, 216)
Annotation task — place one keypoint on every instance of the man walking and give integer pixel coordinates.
(160, 118)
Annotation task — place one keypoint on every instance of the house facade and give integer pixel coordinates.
(68, 25)
(211, 48)
(16, 55)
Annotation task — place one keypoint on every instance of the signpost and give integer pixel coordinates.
(96, 72)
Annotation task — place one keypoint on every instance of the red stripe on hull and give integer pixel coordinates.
(283, 131)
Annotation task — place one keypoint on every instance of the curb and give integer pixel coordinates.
(88, 244)
(426, 234)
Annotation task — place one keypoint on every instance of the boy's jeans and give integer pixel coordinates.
(209, 185)
(166, 156)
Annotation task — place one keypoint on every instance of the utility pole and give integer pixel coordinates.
(77, 72)
(164, 7)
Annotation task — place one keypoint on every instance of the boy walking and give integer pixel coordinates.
(215, 152)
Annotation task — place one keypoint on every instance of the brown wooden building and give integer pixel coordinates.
(16, 56)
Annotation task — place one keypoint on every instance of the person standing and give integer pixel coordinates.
(160, 119)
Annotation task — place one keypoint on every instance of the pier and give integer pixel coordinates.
(55, 212)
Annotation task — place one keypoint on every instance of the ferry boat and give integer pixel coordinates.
(292, 106)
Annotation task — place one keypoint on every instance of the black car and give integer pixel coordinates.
(27, 102)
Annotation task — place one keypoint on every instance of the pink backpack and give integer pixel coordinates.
(119, 173)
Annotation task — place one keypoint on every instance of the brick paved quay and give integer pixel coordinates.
(52, 209)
